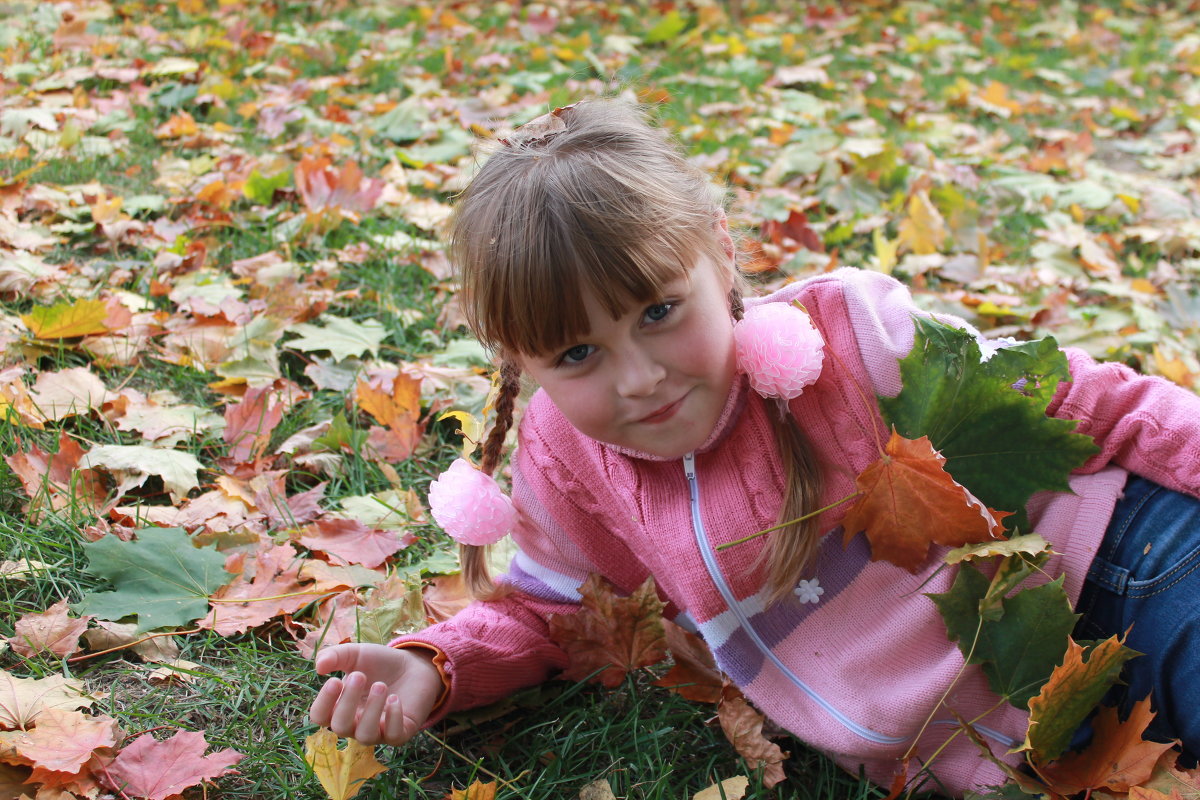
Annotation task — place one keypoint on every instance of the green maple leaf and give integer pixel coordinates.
(997, 440)
(1020, 647)
(160, 576)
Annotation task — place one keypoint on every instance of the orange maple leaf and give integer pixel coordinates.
(909, 500)
(1117, 759)
(476, 791)
(612, 634)
(62, 741)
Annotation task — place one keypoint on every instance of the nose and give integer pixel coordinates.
(638, 372)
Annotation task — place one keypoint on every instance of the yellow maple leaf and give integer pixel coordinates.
(67, 320)
(924, 229)
(341, 772)
(476, 791)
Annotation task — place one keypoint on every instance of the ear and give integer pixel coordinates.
(721, 224)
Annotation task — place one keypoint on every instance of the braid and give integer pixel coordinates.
(474, 558)
(506, 400)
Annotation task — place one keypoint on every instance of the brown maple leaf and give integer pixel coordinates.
(909, 500)
(348, 541)
(155, 770)
(273, 590)
(24, 700)
(695, 675)
(248, 424)
(56, 477)
(1117, 758)
(743, 728)
(611, 635)
(50, 631)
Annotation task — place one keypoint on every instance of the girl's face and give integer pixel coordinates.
(657, 378)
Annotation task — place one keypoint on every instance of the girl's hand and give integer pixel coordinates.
(385, 696)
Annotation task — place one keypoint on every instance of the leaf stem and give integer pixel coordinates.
(128, 645)
(507, 784)
(809, 515)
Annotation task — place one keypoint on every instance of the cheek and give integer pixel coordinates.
(585, 408)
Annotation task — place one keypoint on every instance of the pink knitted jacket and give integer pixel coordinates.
(857, 673)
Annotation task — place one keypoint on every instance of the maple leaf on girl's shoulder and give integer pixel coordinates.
(908, 501)
(610, 635)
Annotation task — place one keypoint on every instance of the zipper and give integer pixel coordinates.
(710, 561)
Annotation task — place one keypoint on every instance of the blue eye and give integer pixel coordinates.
(576, 354)
(658, 312)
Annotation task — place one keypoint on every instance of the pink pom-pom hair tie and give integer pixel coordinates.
(469, 505)
(779, 349)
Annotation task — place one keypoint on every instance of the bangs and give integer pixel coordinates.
(534, 272)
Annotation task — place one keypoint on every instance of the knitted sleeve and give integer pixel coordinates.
(493, 648)
(1143, 423)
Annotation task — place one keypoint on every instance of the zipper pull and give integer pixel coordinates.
(689, 466)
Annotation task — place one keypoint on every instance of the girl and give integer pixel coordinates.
(597, 261)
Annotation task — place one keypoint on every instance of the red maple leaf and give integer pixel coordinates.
(909, 500)
(155, 770)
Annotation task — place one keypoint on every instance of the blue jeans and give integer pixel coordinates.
(1146, 578)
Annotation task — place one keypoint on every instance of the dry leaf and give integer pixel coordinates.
(729, 789)
(50, 631)
(695, 675)
(156, 770)
(1117, 758)
(23, 700)
(62, 741)
(343, 772)
(743, 728)
(909, 500)
(476, 791)
(599, 789)
(609, 633)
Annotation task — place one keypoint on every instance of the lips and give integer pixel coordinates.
(662, 414)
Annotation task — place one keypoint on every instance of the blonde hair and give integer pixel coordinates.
(593, 198)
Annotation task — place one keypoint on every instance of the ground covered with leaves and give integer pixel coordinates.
(226, 319)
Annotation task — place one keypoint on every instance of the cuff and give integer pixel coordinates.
(440, 660)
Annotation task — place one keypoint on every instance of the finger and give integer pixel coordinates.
(369, 725)
(339, 658)
(397, 729)
(321, 710)
(345, 713)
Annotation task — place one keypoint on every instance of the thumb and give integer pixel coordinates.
(339, 658)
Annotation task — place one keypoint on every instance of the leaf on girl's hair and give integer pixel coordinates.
(67, 320)
(341, 337)
(743, 728)
(476, 791)
(609, 633)
(1018, 650)
(1117, 759)
(159, 576)
(969, 408)
(62, 740)
(1074, 690)
(694, 675)
(51, 631)
(342, 771)
(155, 770)
(1029, 543)
(908, 500)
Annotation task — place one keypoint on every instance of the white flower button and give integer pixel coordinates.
(808, 591)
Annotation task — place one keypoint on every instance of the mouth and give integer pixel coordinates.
(662, 414)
